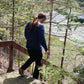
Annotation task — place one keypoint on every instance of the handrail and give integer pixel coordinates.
(5, 43)
(15, 45)
(11, 45)
(20, 48)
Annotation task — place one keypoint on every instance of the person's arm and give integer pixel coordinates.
(26, 31)
(42, 37)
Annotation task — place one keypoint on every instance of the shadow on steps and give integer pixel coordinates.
(15, 78)
(22, 80)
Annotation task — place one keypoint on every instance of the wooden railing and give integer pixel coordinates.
(12, 45)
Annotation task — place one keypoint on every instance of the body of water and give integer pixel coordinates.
(77, 34)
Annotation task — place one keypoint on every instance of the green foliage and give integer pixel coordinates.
(50, 73)
(81, 3)
(2, 32)
(71, 3)
(80, 70)
(81, 50)
(80, 0)
(61, 11)
(76, 19)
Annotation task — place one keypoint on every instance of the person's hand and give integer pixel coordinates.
(46, 52)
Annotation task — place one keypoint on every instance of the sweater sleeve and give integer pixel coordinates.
(26, 30)
(42, 37)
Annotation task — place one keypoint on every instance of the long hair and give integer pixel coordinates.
(34, 21)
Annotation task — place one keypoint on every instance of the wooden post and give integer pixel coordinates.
(10, 68)
(18, 58)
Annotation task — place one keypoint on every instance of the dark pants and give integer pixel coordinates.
(34, 56)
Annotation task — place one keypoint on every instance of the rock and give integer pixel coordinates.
(15, 78)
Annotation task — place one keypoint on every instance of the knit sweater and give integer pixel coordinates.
(36, 38)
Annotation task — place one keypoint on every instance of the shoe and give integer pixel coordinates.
(21, 72)
(40, 79)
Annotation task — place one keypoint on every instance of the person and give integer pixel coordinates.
(35, 36)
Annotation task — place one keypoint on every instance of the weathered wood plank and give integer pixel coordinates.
(20, 48)
(5, 43)
(10, 59)
(15, 45)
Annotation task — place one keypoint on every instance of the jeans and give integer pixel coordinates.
(34, 56)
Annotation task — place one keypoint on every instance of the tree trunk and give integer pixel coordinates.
(48, 56)
(13, 19)
(62, 60)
